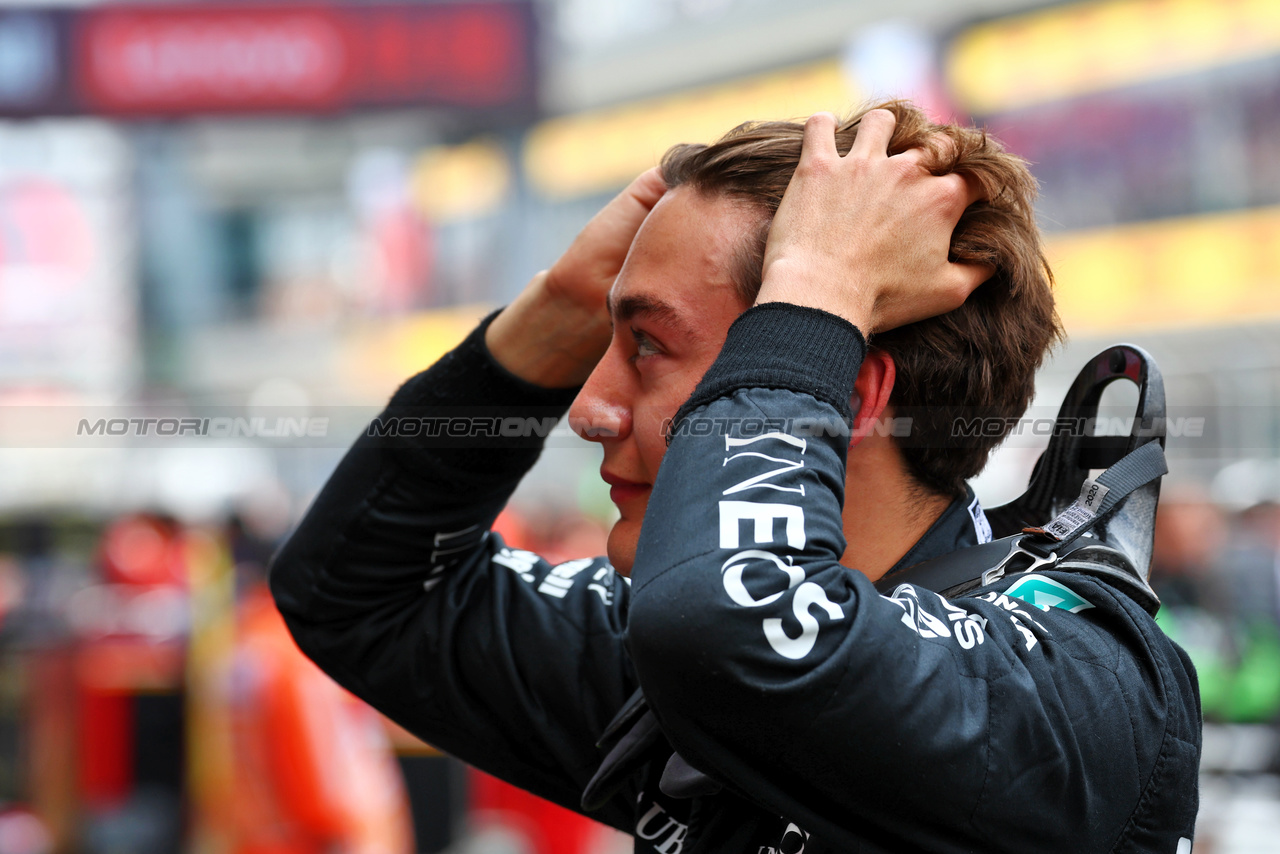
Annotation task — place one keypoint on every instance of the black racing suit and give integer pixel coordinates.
(1046, 712)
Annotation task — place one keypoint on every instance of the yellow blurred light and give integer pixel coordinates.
(1194, 271)
(1104, 44)
(461, 181)
(378, 355)
(600, 150)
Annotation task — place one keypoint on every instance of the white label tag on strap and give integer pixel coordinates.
(1091, 495)
(1081, 511)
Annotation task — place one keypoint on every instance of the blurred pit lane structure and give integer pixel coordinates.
(227, 232)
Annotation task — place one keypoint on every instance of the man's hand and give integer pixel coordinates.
(558, 328)
(585, 272)
(866, 236)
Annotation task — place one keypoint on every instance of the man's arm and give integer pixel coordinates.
(906, 721)
(394, 585)
(903, 720)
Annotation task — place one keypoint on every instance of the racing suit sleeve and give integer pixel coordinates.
(922, 724)
(395, 586)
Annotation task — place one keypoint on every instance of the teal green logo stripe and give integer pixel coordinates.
(1045, 593)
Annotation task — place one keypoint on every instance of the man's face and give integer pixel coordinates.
(671, 306)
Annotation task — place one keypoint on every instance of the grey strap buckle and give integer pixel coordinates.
(1038, 560)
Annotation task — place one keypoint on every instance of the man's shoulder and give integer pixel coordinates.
(1088, 620)
(1113, 691)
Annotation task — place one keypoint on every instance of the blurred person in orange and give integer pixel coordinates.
(314, 771)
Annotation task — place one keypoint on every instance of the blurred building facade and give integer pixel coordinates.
(185, 242)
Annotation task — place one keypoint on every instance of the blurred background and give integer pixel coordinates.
(228, 231)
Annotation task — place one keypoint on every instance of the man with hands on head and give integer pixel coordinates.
(751, 690)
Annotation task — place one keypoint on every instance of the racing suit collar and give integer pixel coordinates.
(961, 525)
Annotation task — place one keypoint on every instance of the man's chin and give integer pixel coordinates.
(622, 545)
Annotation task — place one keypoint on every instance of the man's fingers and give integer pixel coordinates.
(874, 132)
(967, 278)
(973, 191)
(648, 187)
(959, 191)
(819, 136)
(966, 188)
(948, 293)
(919, 156)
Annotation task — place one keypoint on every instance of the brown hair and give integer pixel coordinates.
(979, 360)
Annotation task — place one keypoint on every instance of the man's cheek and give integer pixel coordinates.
(651, 441)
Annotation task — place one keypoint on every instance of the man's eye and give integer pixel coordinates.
(644, 347)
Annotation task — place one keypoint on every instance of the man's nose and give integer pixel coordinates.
(598, 412)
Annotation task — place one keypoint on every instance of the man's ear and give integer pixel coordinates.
(871, 393)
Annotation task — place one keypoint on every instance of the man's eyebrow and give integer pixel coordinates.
(640, 305)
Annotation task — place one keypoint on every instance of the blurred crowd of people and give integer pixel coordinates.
(150, 696)
(149, 692)
(1219, 583)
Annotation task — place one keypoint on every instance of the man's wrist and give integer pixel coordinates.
(789, 282)
(547, 340)
(783, 345)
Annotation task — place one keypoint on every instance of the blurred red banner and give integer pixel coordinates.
(207, 59)
(179, 60)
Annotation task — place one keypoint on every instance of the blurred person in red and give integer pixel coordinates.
(129, 669)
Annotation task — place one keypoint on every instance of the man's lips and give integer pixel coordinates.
(621, 489)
